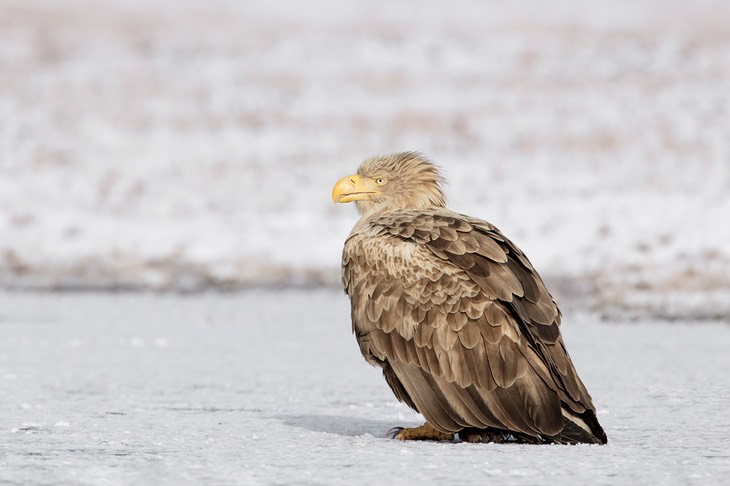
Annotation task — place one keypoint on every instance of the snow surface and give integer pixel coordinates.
(189, 145)
(268, 387)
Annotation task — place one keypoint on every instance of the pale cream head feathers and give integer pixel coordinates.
(405, 180)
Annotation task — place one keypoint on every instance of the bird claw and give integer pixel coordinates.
(424, 432)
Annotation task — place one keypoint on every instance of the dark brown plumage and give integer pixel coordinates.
(462, 325)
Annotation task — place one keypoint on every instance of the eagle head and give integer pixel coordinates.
(404, 180)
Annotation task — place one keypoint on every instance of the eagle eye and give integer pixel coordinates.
(380, 181)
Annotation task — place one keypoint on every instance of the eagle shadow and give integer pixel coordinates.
(341, 425)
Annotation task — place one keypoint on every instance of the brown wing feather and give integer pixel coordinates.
(464, 328)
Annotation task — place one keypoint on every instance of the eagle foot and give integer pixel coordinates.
(424, 432)
(484, 436)
(499, 436)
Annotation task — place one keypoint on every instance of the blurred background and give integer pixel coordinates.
(192, 146)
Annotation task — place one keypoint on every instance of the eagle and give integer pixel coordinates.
(463, 327)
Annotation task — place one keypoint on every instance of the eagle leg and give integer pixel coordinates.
(482, 435)
(499, 436)
(424, 432)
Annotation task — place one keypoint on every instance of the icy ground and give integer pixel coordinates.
(268, 387)
(193, 145)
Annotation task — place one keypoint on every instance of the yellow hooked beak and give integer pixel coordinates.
(354, 188)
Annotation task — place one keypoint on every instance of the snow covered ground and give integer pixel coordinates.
(189, 145)
(192, 146)
(268, 387)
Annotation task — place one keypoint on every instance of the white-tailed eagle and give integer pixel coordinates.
(461, 324)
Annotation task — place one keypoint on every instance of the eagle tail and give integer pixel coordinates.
(581, 429)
